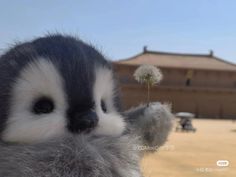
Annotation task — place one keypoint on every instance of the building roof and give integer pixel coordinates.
(179, 60)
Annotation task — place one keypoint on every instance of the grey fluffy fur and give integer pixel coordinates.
(90, 156)
(151, 124)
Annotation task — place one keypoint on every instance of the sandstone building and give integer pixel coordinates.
(199, 83)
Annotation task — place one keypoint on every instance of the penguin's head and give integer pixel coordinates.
(56, 85)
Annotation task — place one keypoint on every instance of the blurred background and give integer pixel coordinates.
(191, 41)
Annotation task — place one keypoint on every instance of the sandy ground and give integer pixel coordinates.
(195, 154)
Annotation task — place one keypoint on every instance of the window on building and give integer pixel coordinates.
(188, 82)
(189, 76)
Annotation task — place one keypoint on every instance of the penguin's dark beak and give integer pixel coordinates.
(82, 121)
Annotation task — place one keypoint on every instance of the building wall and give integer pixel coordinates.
(211, 94)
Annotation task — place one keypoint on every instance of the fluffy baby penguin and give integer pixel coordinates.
(55, 85)
(60, 114)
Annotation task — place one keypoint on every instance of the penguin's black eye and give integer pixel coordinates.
(103, 106)
(43, 105)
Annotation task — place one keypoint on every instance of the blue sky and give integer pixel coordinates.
(120, 28)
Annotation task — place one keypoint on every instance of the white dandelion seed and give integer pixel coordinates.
(148, 74)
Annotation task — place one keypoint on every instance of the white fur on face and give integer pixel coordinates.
(110, 123)
(38, 79)
(41, 79)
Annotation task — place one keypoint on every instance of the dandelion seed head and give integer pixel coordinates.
(148, 74)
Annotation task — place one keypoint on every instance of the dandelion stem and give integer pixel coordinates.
(148, 96)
